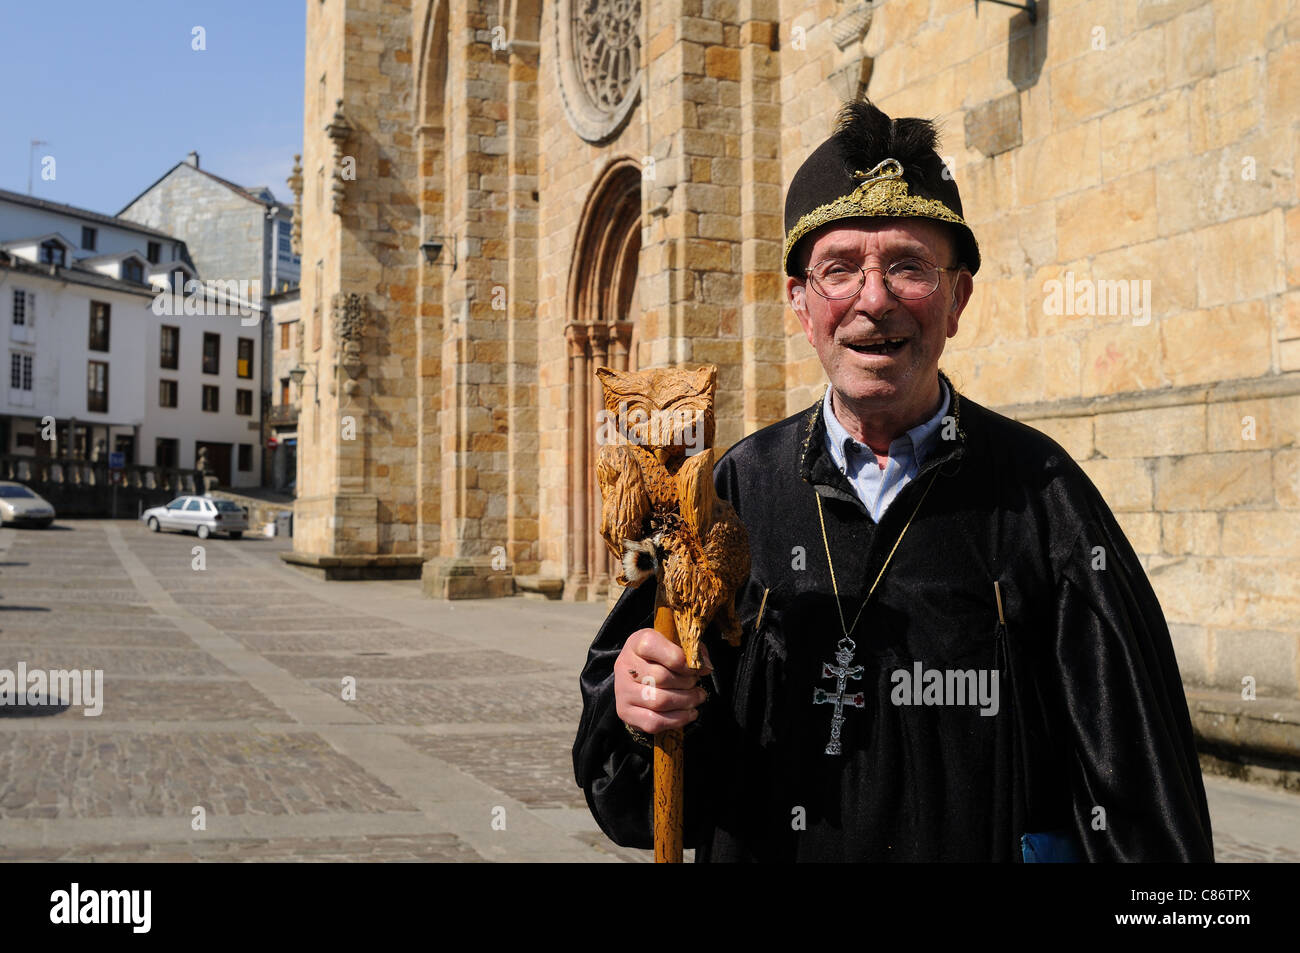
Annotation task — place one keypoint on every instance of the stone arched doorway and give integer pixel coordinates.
(601, 330)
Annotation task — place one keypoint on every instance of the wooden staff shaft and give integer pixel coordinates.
(669, 770)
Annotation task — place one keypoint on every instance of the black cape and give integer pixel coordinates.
(1091, 735)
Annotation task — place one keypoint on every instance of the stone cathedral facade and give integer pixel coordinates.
(498, 196)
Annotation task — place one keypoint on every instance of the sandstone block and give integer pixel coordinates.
(1113, 215)
(1074, 434)
(1243, 352)
(1214, 481)
(1261, 533)
(1153, 432)
(1189, 534)
(1121, 358)
(1237, 276)
(1124, 484)
(1194, 590)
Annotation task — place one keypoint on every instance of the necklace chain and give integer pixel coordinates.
(848, 640)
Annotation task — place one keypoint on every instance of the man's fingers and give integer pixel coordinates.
(664, 700)
(654, 646)
(654, 722)
(647, 673)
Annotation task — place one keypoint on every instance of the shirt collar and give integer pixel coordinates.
(918, 441)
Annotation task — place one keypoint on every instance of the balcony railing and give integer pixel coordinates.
(282, 415)
(54, 471)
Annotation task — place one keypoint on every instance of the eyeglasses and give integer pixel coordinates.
(908, 278)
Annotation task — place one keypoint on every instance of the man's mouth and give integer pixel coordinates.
(883, 346)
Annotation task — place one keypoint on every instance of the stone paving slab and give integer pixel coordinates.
(106, 636)
(455, 701)
(172, 700)
(66, 623)
(407, 667)
(115, 774)
(390, 848)
(136, 660)
(533, 768)
(376, 640)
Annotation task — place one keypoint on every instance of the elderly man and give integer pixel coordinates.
(950, 651)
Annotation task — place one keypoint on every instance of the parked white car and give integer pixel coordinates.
(19, 506)
(198, 514)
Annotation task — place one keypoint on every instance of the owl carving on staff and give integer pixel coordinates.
(659, 514)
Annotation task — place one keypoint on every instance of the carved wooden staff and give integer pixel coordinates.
(660, 517)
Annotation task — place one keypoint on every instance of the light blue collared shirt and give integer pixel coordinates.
(875, 487)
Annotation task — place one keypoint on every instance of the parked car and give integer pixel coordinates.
(19, 506)
(199, 514)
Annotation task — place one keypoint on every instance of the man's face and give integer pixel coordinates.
(901, 380)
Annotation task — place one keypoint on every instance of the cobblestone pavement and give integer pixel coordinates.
(225, 734)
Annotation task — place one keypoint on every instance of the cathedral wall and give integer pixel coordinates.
(1129, 170)
(357, 481)
(379, 241)
(314, 516)
(567, 167)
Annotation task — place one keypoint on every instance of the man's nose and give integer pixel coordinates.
(874, 299)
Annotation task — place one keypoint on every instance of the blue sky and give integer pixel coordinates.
(120, 96)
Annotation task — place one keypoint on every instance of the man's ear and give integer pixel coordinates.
(962, 288)
(797, 292)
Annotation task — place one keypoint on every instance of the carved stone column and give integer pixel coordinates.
(620, 345)
(575, 586)
(597, 552)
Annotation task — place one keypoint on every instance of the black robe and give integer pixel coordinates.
(1091, 736)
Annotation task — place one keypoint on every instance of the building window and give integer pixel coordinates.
(167, 392)
(97, 387)
(87, 238)
(99, 314)
(284, 244)
(284, 391)
(169, 348)
(24, 301)
(165, 452)
(153, 252)
(244, 402)
(245, 457)
(284, 337)
(20, 370)
(211, 398)
(132, 270)
(53, 253)
(25, 439)
(211, 353)
(244, 367)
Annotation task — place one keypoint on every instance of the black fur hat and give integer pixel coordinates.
(875, 166)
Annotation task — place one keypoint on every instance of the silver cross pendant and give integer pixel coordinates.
(841, 672)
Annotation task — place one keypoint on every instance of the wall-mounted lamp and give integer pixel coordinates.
(432, 248)
(298, 373)
(1029, 6)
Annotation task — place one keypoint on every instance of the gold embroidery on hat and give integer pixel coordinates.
(882, 193)
(885, 169)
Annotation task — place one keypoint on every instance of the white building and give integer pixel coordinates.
(97, 364)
